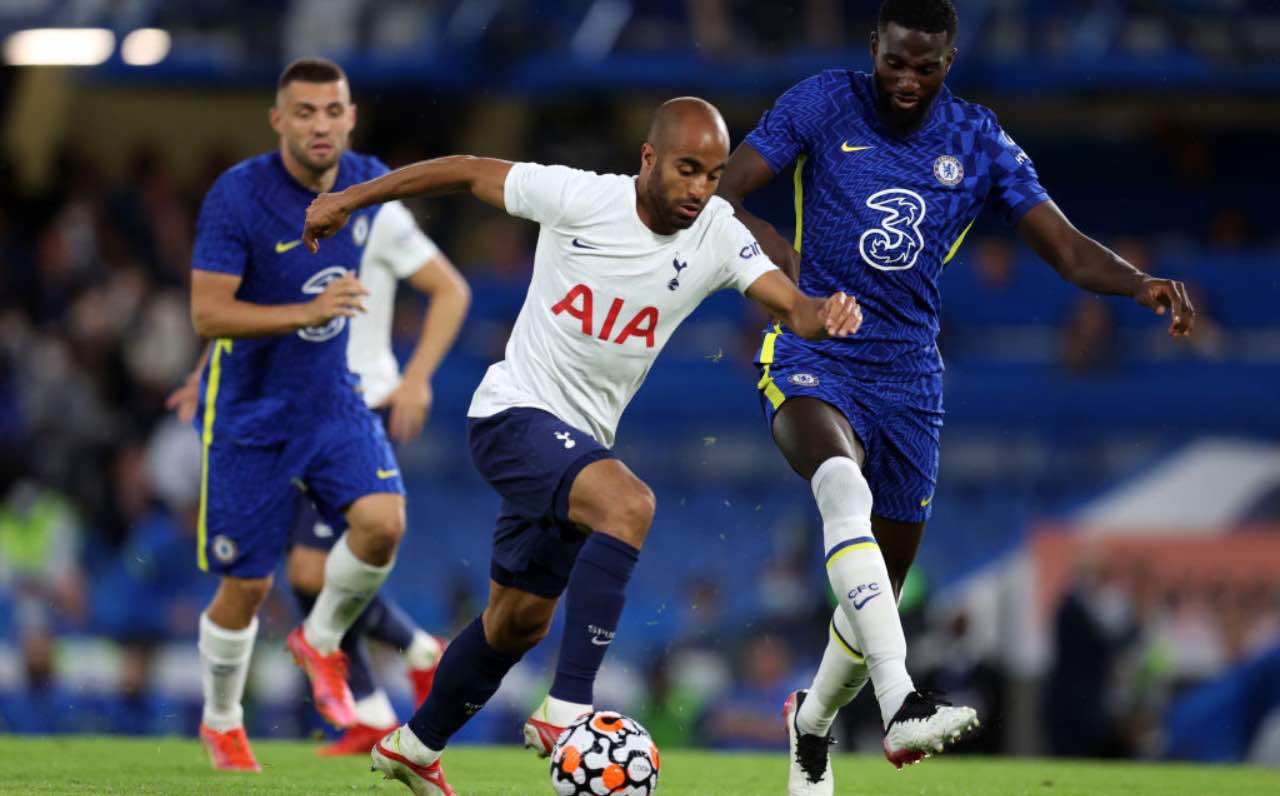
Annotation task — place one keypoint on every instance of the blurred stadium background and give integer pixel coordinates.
(1102, 573)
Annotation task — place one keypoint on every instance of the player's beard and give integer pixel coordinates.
(665, 209)
(897, 121)
(302, 154)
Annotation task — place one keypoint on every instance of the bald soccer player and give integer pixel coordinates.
(620, 262)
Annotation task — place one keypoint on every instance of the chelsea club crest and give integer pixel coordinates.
(948, 170)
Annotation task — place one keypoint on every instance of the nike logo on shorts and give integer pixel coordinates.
(385, 474)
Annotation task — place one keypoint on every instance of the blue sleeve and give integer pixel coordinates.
(1015, 186)
(787, 129)
(221, 243)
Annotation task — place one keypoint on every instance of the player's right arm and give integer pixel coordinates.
(218, 265)
(484, 178)
(785, 132)
(746, 173)
(216, 312)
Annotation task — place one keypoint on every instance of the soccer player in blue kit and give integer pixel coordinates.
(279, 409)
(891, 171)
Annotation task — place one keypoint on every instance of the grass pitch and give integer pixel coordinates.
(174, 766)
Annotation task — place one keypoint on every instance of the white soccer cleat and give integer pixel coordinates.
(810, 773)
(926, 724)
(392, 763)
(541, 730)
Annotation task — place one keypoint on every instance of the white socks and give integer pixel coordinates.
(423, 651)
(415, 749)
(349, 584)
(860, 579)
(559, 712)
(841, 675)
(224, 665)
(375, 710)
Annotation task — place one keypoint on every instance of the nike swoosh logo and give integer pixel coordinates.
(579, 244)
(926, 501)
(846, 148)
(282, 247)
(596, 640)
(385, 474)
(858, 605)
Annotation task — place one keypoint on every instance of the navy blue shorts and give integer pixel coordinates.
(531, 457)
(310, 529)
(250, 493)
(898, 422)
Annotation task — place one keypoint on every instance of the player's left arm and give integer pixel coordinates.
(1088, 264)
(812, 318)
(450, 297)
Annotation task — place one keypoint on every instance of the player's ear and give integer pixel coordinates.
(351, 109)
(648, 155)
(274, 118)
(950, 59)
(875, 44)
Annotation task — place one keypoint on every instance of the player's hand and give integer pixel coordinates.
(342, 298)
(183, 400)
(840, 315)
(326, 214)
(1168, 295)
(410, 403)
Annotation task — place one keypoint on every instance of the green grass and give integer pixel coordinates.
(177, 766)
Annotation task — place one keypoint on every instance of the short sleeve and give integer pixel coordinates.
(742, 260)
(396, 241)
(1015, 185)
(787, 129)
(221, 243)
(539, 193)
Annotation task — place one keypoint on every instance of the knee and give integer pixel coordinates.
(630, 514)
(841, 490)
(378, 536)
(237, 601)
(305, 569)
(514, 630)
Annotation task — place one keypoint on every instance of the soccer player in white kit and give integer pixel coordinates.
(620, 262)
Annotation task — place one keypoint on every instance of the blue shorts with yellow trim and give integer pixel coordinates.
(899, 422)
(251, 495)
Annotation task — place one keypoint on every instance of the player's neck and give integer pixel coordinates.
(316, 182)
(646, 214)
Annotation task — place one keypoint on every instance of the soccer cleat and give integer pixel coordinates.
(810, 773)
(540, 736)
(422, 780)
(228, 751)
(328, 676)
(422, 679)
(357, 740)
(924, 725)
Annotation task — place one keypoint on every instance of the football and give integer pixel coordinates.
(604, 754)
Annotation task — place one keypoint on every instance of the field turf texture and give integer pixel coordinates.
(173, 766)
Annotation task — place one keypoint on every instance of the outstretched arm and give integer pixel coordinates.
(746, 173)
(410, 402)
(811, 318)
(483, 177)
(1084, 262)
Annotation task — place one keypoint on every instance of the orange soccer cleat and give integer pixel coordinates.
(328, 675)
(229, 751)
(357, 740)
(423, 679)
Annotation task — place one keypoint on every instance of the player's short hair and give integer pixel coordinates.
(930, 16)
(311, 70)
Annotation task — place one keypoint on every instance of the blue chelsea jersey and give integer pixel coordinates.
(878, 217)
(265, 390)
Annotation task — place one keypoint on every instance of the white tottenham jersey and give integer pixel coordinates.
(606, 294)
(395, 251)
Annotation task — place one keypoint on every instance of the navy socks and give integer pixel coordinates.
(469, 674)
(596, 593)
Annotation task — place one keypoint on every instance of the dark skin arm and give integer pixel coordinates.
(745, 173)
(1084, 262)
